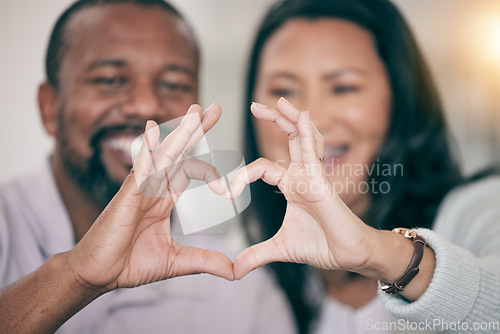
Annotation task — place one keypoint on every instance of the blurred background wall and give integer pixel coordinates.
(461, 39)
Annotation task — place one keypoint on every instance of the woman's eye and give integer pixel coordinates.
(282, 92)
(343, 89)
(113, 82)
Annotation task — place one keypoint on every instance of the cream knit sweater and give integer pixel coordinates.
(464, 294)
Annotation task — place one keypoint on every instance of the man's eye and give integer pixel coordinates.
(175, 87)
(110, 81)
(343, 89)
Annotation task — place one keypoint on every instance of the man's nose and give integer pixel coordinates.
(142, 101)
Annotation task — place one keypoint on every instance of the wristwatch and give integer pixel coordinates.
(412, 269)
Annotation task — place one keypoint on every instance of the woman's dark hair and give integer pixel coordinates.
(416, 137)
(57, 42)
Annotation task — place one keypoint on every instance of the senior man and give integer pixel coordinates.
(112, 65)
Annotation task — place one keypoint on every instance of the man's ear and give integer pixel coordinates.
(48, 106)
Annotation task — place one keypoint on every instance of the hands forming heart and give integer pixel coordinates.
(130, 244)
(318, 228)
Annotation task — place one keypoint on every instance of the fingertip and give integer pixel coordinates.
(229, 191)
(191, 109)
(222, 186)
(257, 108)
(234, 193)
(230, 279)
(211, 116)
(239, 270)
(213, 108)
(236, 188)
(151, 136)
(226, 271)
(239, 276)
(285, 102)
(210, 107)
(217, 110)
(258, 105)
(195, 109)
(287, 109)
(228, 274)
(217, 185)
(150, 124)
(231, 276)
(219, 265)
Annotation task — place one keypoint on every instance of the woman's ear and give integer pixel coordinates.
(48, 106)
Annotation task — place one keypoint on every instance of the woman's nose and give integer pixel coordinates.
(322, 114)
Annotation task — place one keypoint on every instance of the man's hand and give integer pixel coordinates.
(130, 244)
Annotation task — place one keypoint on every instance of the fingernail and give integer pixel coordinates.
(190, 108)
(259, 105)
(149, 125)
(210, 106)
(228, 194)
(285, 100)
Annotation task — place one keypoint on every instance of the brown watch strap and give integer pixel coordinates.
(412, 269)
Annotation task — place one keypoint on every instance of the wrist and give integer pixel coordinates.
(389, 257)
(392, 255)
(72, 280)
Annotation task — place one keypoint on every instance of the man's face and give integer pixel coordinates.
(124, 64)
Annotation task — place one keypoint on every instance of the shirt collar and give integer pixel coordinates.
(50, 219)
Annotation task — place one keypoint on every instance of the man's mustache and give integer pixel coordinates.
(106, 131)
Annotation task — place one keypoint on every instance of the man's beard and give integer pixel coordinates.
(90, 175)
(92, 178)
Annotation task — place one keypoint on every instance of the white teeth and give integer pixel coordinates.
(122, 144)
(335, 151)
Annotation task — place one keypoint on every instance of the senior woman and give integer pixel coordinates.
(378, 160)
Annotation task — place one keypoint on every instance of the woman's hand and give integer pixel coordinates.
(318, 228)
(130, 244)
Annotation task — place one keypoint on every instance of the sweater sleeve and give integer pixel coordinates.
(465, 288)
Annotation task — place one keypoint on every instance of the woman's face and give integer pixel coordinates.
(331, 68)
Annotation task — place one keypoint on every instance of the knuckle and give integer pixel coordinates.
(184, 152)
(260, 160)
(211, 172)
(170, 156)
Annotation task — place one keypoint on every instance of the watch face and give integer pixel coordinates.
(407, 233)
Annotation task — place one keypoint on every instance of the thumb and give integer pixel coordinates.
(191, 260)
(256, 256)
